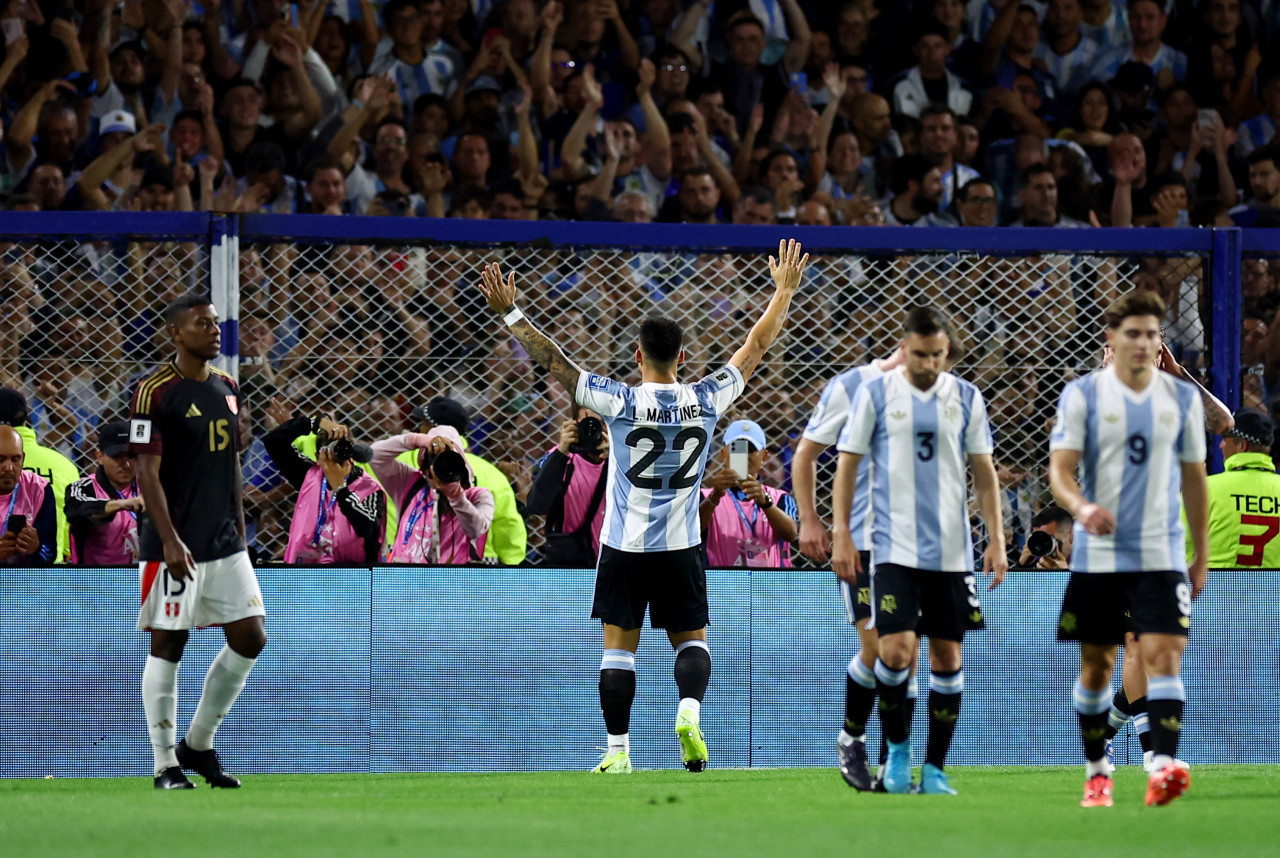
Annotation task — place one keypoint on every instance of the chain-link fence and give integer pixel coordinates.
(370, 330)
(367, 328)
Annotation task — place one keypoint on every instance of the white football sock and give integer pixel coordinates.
(620, 743)
(692, 708)
(160, 701)
(222, 685)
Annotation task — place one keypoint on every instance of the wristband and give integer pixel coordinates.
(768, 505)
(513, 315)
(357, 104)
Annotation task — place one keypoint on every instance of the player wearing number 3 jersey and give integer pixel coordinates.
(1136, 436)
(649, 554)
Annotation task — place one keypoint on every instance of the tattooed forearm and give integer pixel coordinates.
(547, 354)
(1217, 417)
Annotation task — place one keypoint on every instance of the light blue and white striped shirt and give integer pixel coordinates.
(1131, 446)
(1071, 70)
(824, 427)
(660, 435)
(1109, 62)
(918, 441)
(1112, 32)
(1254, 134)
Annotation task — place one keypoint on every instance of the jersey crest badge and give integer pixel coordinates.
(897, 415)
(232, 404)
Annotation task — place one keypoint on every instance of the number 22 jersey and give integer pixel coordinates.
(193, 427)
(659, 437)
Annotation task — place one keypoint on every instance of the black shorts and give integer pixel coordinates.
(857, 597)
(1099, 607)
(673, 584)
(940, 605)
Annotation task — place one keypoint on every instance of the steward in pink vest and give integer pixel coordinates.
(444, 517)
(102, 510)
(341, 511)
(29, 528)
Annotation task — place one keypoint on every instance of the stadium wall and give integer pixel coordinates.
(495, 669)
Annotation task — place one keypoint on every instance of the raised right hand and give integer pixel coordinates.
(499, 293)
(788, 268)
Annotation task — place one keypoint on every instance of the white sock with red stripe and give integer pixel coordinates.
(160, 700)
(222, 685)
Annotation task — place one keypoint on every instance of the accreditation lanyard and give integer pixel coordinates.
(119, 495)
(755, 514)
(420, 506)
(13, 499)
(326, 507)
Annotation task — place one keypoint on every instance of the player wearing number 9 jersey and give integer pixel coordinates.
(649, 555)
(1136, 435)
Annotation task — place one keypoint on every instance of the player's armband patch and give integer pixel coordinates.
(140, 431)
(723, 378)
(597, 382)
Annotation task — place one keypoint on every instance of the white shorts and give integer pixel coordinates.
(222, 591)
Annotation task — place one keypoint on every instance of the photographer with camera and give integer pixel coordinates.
(1049, 543)
(444, 516)
(734, 532)
(569, 490)
(103, 509)
(341, 510)
(508, 539)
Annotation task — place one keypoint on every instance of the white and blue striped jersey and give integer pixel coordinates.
(824, 427)
(1112, 32)
(659, 439)
(1130, 447)
(1072, 70)
(918, 441)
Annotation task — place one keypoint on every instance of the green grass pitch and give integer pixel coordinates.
(1229, 811)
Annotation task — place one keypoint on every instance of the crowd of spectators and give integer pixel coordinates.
(1147, 112)
(1069, 113)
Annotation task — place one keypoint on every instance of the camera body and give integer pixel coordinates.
(590, 434)
(448, 466)
(344, 449)
(1042, 544)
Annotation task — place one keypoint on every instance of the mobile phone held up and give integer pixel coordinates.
(739, 451)
(17, 523)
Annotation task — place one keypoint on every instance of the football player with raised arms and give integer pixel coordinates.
(649, 553)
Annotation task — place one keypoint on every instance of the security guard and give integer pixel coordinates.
(1244, 500)
(45, 461)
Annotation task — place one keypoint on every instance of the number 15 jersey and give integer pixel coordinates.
(659, 437)
(193, 427)
(1130, 445)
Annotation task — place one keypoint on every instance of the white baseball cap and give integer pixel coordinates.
(118, 120)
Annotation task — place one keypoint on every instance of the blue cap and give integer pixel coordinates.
(745, 429)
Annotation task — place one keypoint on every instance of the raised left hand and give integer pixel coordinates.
(28, 541)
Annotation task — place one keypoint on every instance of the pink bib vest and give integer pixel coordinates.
(322, 534)
(745, 537)
(426, 536)
(30, 497)
(111, 543)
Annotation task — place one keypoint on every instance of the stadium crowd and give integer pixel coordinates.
(1067, 113)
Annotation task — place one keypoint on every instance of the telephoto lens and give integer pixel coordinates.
(590, 434)
(448, 467)
(1041, 544)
